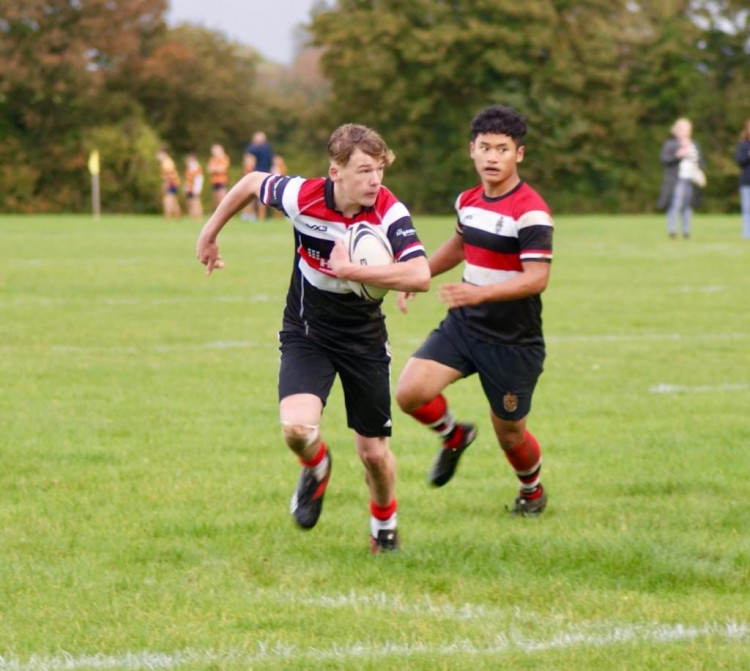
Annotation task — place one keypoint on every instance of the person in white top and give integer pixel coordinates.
(683, 177)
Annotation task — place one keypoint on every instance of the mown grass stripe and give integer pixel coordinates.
(503, 643)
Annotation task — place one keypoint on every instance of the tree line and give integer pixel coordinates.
(599, 81)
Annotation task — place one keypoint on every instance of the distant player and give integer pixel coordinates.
(171, 184)
(327, 330)
(193, 186)
(260, 155)
(218, 173)
(494, 324)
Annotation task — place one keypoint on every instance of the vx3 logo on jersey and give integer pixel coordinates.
(317, 227)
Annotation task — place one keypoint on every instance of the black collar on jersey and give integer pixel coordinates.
(331, 201)
(505, 195)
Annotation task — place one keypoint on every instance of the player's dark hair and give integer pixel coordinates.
(351, 136)
(499, 120)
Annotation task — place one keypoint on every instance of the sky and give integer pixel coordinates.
(266, 25)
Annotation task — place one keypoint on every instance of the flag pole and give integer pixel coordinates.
(95, 194)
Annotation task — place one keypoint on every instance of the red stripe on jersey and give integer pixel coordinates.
(312, 204)
(486, 258)
(315, 262)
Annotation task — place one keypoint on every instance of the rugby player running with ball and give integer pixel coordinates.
(327, 329)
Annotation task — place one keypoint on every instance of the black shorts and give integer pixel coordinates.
(508, 373)
(308, 367)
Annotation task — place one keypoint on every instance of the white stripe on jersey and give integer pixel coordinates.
(488, 221)
(502, 224)
(482, 276)
(395, 212)
(535, 218)
(318, 228)
(536, 255)
(290, 199)
(322, 281)
(291, 206)
(323, 229)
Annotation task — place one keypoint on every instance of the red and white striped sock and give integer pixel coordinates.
(436, 415)
(319, 463)
(382, 517)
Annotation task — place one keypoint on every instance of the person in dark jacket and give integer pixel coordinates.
(682, 160)
(742, 156)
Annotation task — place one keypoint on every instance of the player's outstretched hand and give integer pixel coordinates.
(208, 254)
(457, 295)
(402, 298)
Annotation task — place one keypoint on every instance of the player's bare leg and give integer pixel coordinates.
(420, 381)
(380, 475)
(300, 419)
(419, 394)
(171, 206)
(524, 455)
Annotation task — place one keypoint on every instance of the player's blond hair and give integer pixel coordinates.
(351, 136)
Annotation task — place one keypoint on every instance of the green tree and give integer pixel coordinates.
(724, 53)
(419, 70)
(55, 57)
(600, 82)
(130, 180)
(196, 88)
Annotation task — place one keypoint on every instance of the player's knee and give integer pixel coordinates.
(407, 397)
(375, 454)
(373, 460)
(299, 436)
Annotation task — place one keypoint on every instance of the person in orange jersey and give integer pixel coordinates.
(171, 181)
(193, 186)
(218, 173)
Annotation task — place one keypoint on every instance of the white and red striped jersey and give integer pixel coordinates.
(317, 299)
(499, 234)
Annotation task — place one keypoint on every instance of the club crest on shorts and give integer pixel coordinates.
(510, 401)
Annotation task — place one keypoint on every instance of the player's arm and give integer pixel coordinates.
(448, 255)
(410, 275)
(670, 152)
(532, 281)
(238, 197)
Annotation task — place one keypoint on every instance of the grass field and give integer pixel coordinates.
(144, 484)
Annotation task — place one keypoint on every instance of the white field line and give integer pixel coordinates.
(637, 337)
(219, 344)
(701, 389)
(632, 337)
(707, 289)
(501, 643)
(249, 344)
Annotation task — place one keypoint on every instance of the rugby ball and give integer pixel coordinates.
(368, 246)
